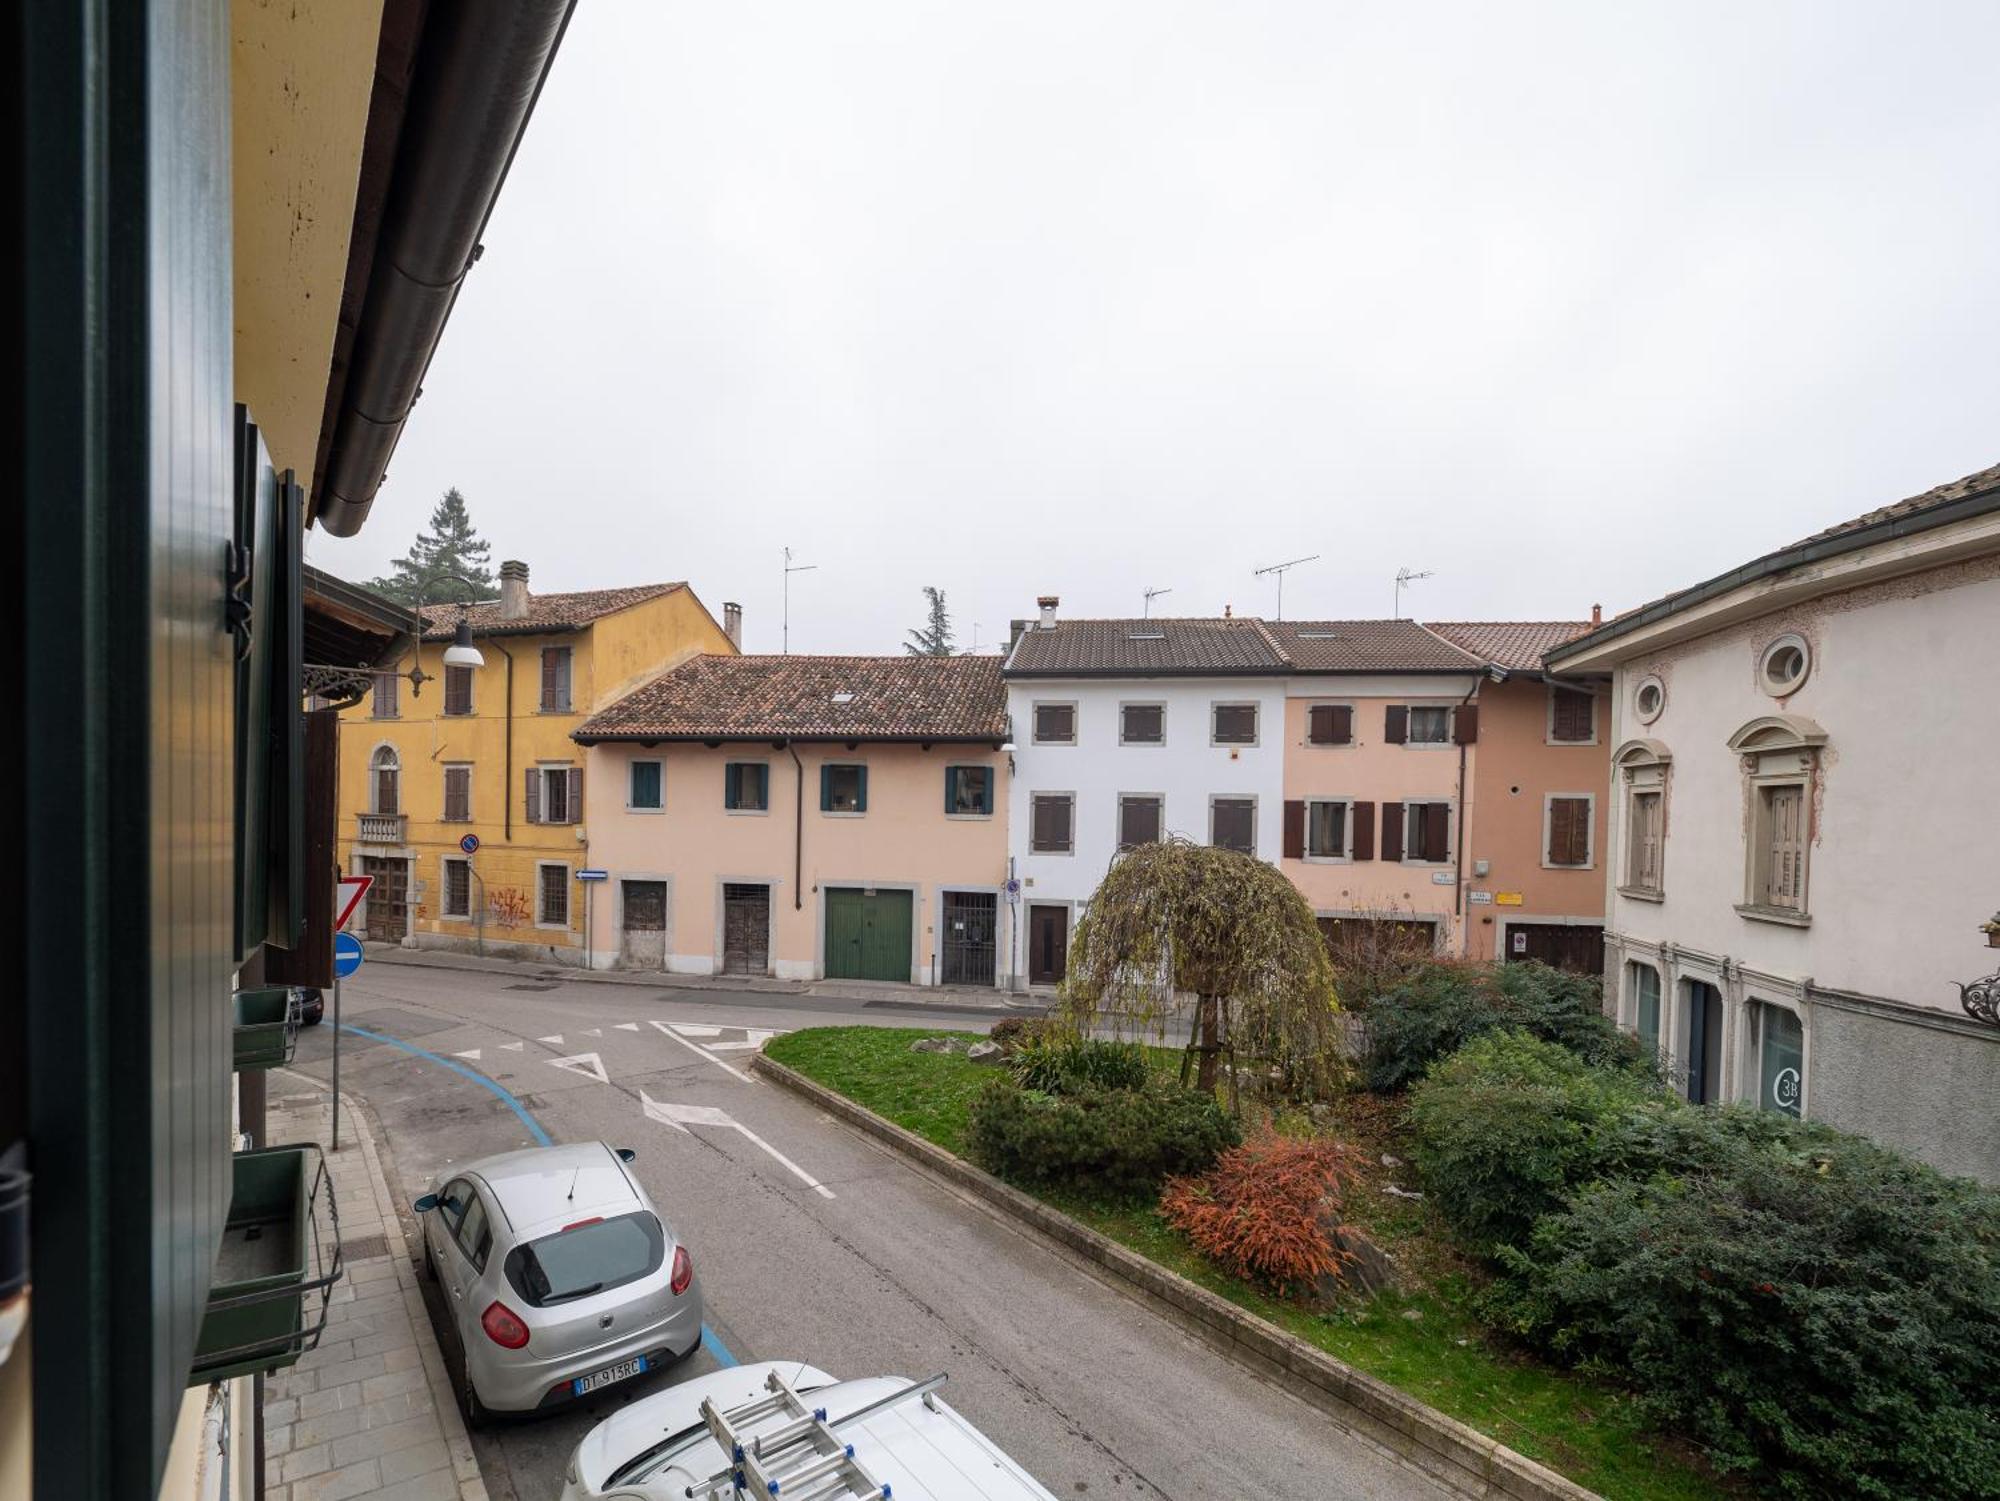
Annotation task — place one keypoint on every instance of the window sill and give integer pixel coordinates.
(1587, 865)
(654, 811)
(555, 711)
(1326, 859)
(457, 714)
(968, 817)
(1569, 744)
(1050, 744)
(1426, 864)
(1642, 893)
(1784, 917)
(1328, 744)
(1061, 853)
(552, 927)
(747, 812)
(1427, 745)
(843, 812)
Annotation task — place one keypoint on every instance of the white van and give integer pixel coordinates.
(784, 1428)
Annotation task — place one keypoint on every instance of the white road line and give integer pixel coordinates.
(628, 1026)
(756, 1038)
(555, 1041)
(587, 1064)
(593, 1031)
(680, 1117)
(472, 1053)
(513, 1047)
(697, 1029)
(736, 1074)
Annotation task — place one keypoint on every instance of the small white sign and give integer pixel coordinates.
(1482, 898)
(1519, 942)
(1444, 878)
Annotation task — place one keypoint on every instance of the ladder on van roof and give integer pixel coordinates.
(803, 1458)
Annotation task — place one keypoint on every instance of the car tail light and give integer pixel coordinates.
(503, 1326)
(683, 1272)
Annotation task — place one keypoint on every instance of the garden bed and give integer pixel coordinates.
(1418, 1339)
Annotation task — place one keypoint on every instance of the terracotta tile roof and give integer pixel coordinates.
(546, 612)
(1370, 646)
(1146, 648)
(888, 698)
(1958, 489)
(1517, 645)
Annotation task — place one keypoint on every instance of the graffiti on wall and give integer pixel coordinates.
(508, 907)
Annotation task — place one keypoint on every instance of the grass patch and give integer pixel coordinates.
(1419, 1341)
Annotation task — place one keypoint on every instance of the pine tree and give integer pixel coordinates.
(934, 639)
(450, 546)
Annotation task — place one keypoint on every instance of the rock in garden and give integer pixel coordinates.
(986, 1052)
(931, 1045)
(1388, 1160)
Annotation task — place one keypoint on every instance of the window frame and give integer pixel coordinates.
(1159, 802)
(568, 704)
(1450, 831)
(992, 790)
(1330, 703)
(1346, 855)
(541, 894)
(376, 766)
(1556, 690)
(445, 864)
(1640, 768)
(763, 811)
(562, 769)
(444, 815)
(1234, 797)
(1410, 740)
(631, 766)
(826, 771)
(1256, 708)
(1779, 752)
(395, 695)
(1066, 797)
(1760, 1009)
(1142, 703)
(1035, 708)
(1758, 867)
(1589, 800)
(444, 707)
(1634, 968)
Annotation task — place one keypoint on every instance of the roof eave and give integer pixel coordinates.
(769, 737)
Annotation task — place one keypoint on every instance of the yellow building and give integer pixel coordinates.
(484, 755)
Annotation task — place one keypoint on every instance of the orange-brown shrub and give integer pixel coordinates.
(1262, 1212)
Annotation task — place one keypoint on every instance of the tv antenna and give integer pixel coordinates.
(1151, 595)
(790, 569)
(1404, 578)
(1279, 570)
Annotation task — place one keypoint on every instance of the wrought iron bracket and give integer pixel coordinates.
(1981, 999)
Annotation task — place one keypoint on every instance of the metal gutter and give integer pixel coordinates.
(479, 72)
(1913, 523)
(776, 739)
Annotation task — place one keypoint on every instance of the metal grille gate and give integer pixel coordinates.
(970, 925)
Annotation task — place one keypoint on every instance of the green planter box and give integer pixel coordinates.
(267, 1028)
(281, 1244)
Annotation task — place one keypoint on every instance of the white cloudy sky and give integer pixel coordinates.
(1568, 303)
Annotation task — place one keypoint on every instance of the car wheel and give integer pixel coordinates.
(477, 1414)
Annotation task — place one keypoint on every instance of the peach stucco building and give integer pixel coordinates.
(804, 818)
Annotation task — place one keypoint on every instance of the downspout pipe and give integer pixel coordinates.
(507, 755)
(798, 831)
(480, 69)
(1458, 853)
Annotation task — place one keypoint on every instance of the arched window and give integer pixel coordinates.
(1781, 761)
(388, 780)
(1643, 764)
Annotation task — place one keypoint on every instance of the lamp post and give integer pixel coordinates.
(461, 652)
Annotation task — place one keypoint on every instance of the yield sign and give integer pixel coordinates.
(347, 894)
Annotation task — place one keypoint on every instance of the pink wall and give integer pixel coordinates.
(904, 839)
(1514, 771)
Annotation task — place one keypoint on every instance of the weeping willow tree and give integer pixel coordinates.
(1187, 931)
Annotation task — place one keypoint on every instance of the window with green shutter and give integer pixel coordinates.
(648, 789)
(968, 791)
(746, 787)
(843, 789)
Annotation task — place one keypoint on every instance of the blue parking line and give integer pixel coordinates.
(709, 1339)
(542, 1138)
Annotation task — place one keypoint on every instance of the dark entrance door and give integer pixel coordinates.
(867, 934)
(1048, 945)
(388, 899)
(643, 943)
(746, 930)
(1574, 947)
(1704, 1042)
(970, 920)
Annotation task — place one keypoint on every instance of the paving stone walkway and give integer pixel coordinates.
(370, 1412)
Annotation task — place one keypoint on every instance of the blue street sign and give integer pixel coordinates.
(346, 954)
(593, 875)
(470, 844)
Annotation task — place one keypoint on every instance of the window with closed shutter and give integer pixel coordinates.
(648, 790)
(1782, 811)
(555, 680)
(1235, 724)
(458, 690)
(1051, 823)
(554, 896)
(1643, 858)
(383, 701)
(1326, 830)
(1426, 829)
(746, 787)
(1232, 824)
(1142, 724)
(1140, 818)
(1055, 724)
(1330, 724)
(457, 794)
(1569, 831)
(457, 888)
(1572, 716)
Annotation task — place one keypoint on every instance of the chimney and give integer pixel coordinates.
(1048, 603)
(1229, 612)
(732, 623)
(1597, 614)
(513, 590)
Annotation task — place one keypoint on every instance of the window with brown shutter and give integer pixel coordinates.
(1643, 857)
(554, 904)
(1416, 831)
(388, 781)
(532, 798)
(1465, 725)
(458, 690)
(383, 701)
(457, 794)
(1781, 851)
(1361, 818)
(1140, 817)
(1326, 829)
(555, 795)
(1392, 831)
(1055, 724)
(1436, 831)
(1142, 724)
(1396, 725)
(1232, 824)
(1569, 831)
(1429, 724)
(555, 681)
(1235, 724)
(1572, 716)
(1051, 823)
(1292, 838)
(1330, 724)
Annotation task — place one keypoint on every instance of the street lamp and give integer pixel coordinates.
(461, 652)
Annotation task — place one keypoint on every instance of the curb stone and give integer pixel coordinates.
(1452, 1452)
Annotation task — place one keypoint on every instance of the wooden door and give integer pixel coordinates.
(388, 899)
(746, 930)
(1576, 947)
(643, 939)
(1048, 945)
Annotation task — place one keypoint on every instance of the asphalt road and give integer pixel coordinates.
(814, 1242)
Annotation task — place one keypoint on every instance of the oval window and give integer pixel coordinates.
(1784, 665)
(1649, 700)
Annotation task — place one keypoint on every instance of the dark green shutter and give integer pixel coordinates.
(986, 792)
(826, 789)
(860, 789)
(732, 786)
(950, 777)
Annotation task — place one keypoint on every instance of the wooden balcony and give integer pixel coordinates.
(380, 828)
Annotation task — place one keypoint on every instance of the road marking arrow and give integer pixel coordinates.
(593, 1031)
(695, 1047)
(554, 1042)
(513, 1047)
(587, 1064)
(472, 1053)
(680, 1117)
(696, 1029)
(628, 1026)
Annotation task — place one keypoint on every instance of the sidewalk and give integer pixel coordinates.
(370, 1412)
(915, 997)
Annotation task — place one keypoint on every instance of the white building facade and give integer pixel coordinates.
(1802, 845)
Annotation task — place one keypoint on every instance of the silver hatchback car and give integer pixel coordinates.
(559, 1275)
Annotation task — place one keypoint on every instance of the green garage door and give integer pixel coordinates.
(867, 934)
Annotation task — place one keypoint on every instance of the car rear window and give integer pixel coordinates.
(587, 1258)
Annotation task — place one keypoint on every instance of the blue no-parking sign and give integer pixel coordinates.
(346, 955)
(470, 844)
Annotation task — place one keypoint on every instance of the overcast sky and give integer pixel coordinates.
(1568, 304)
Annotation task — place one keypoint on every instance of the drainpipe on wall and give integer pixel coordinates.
(507, 775)
(798, 831)
(1458, 852)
